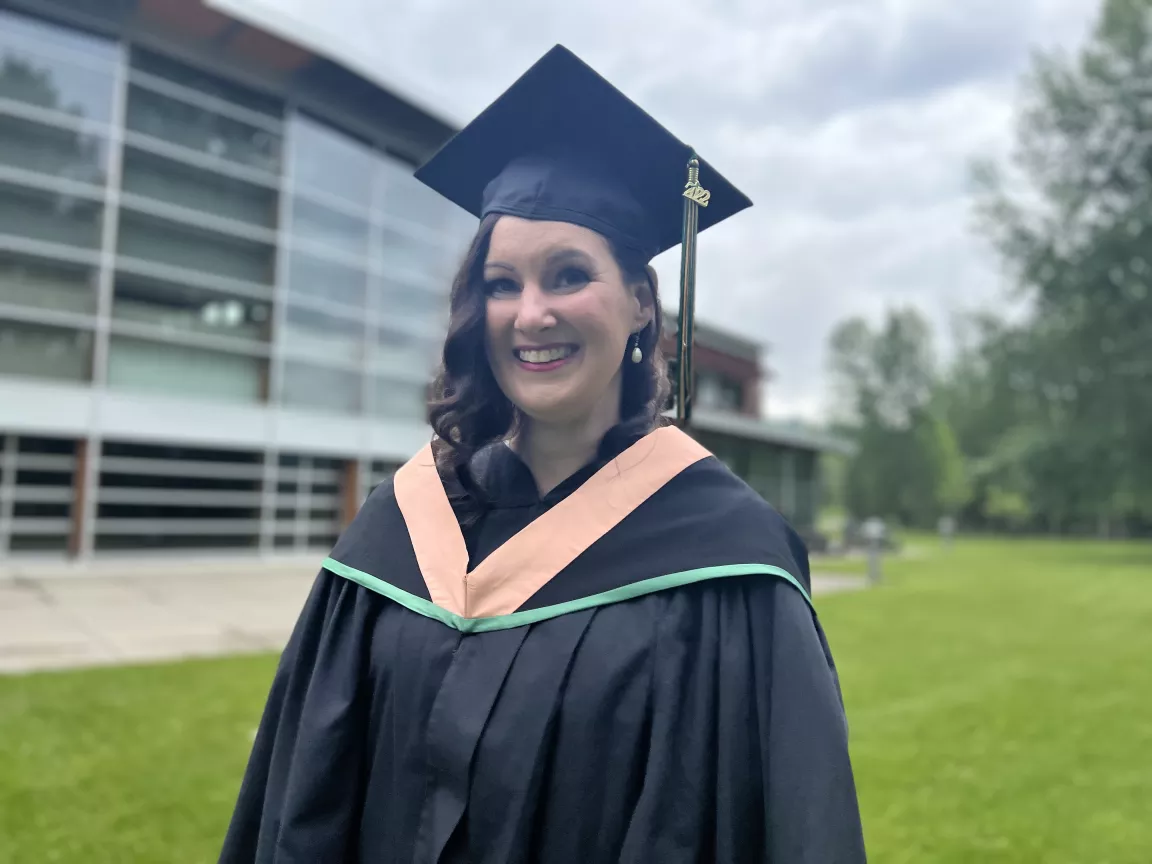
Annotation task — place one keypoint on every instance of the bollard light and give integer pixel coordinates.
(874, 531)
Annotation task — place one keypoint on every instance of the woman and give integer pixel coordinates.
(564, 632)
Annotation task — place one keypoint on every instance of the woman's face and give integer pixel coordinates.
(558, 318)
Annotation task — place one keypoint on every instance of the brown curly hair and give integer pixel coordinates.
(466, 407)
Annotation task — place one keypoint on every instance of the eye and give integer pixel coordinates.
(500, 287)
(572, 277)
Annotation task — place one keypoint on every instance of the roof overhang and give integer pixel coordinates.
(376, 70)
(756, 429)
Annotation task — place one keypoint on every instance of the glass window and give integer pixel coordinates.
(308, 386)
(188, 309)
(403, 305)
(185, 185)
(27, 281)
(194, 454)
(805, 489)
(106, 541)
(805, 465)
(21, 30)
(53, 150)
(22, 542)
(52, 446)
(461, 228)
(718, 392)
(731, 454)
(406, 200)
(400, 400)
(177, 370)
(198, 129)
(318, 334)
(707, 392)
(54, 217)
(457, 240)
(35, 68)
(210, 85)
(152, 239)
(766, 472)
(397, 351)
(415, 258)
(322, 279)
(329, 229)
(328, 161)
(39, 351)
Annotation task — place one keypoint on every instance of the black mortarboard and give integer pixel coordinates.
(563, 144)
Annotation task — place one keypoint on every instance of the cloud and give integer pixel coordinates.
(861, 58)
(850, 124)
(864, 211)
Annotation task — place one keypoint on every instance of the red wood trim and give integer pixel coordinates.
(80, 493)
(350, 500)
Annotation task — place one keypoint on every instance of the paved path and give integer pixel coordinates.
(62, 616)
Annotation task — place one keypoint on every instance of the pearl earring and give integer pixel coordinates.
(637, 354)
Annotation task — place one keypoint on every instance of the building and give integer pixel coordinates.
(781, 461)
(729, 370)
(221, 289)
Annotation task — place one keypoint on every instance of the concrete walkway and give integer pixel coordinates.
(66, 616)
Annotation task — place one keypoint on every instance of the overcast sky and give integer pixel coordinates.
(849, 123)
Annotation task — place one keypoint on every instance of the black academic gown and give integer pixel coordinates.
(694, 722)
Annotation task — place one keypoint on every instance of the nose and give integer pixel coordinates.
(534, 310)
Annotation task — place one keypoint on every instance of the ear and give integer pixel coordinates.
(645, 294)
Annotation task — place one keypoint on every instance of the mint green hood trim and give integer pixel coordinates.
(531, 616)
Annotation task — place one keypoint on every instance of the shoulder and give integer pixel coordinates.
(381, 502)
(385, 490)
(703, 524)
(720, 485)
(377, 541)
(711, 494)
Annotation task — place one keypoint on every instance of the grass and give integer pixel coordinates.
(1000, 702)
(132, 765)
(999, 696)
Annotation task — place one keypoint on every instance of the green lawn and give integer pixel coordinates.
(1000, 700)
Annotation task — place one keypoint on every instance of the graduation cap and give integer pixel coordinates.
(564, 144)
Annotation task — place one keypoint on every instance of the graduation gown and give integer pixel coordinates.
(627, 669)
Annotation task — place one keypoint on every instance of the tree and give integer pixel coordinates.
(950, 490)
(907, 464)
(886, 376)
(1071, 217)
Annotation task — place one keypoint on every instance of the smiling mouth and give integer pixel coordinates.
(544, 358)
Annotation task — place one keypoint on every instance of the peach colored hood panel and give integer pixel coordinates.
(508, 577)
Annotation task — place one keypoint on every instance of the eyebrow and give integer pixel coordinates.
(570, 254)
(561, 254)
(557, 256)
(499, 265)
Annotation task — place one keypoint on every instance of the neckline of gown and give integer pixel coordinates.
(508, 483)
